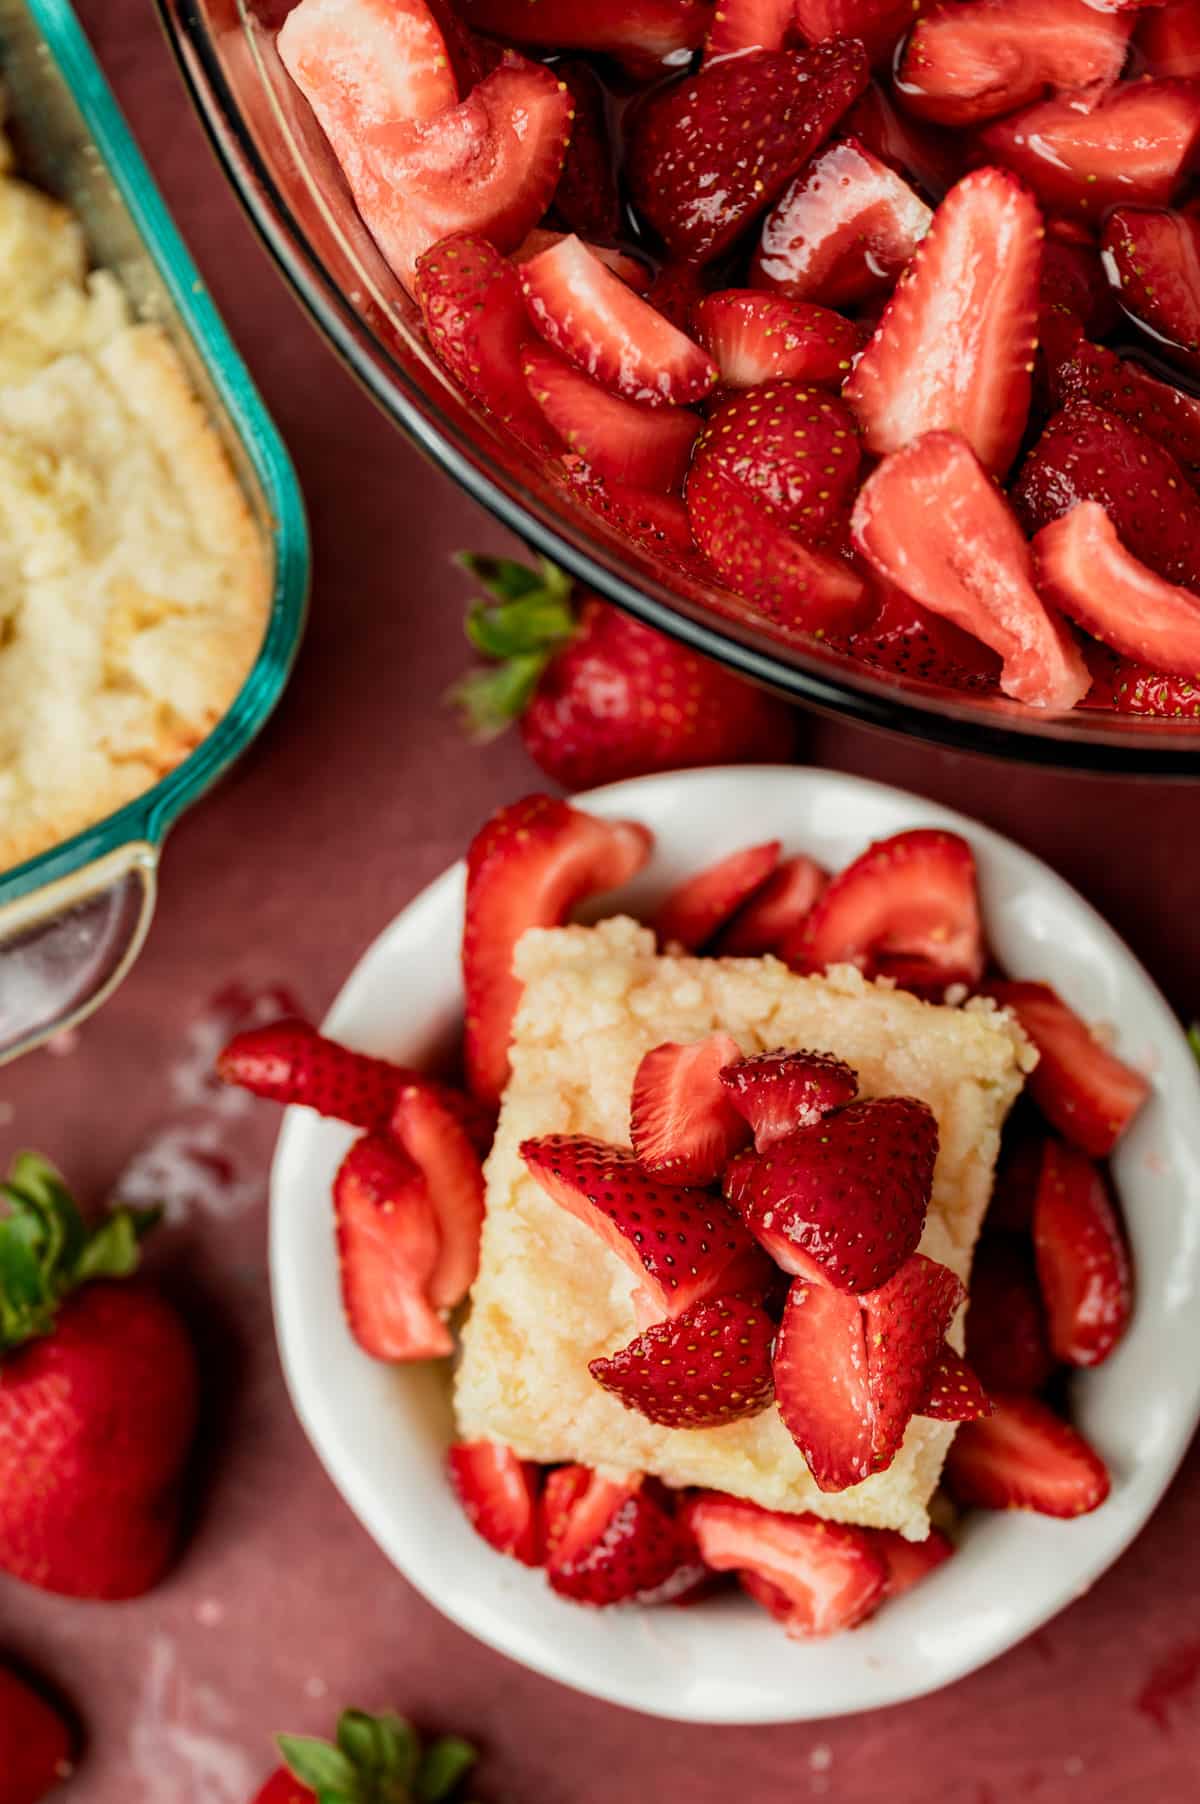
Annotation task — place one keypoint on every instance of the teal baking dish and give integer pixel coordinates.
(73, 919)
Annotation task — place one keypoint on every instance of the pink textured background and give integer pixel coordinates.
(358, 793)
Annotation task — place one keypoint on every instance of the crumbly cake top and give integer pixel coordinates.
(549, 1297)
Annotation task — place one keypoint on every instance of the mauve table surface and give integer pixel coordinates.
(361, 790)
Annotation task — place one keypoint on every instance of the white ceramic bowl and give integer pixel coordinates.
(382, 1432)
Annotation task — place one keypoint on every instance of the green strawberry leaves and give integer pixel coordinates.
(378, 1760)
(528, 618)
(47, 1249)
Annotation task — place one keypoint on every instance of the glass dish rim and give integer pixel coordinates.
(1156, 749)
(148, 817)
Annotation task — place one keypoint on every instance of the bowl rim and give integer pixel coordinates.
(325, 1423)
(1154, 749)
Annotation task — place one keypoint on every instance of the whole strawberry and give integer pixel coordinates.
(35, 1742)
(98, 1390)
(376, 1760)
(598, 695)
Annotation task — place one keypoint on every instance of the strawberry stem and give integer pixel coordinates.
(528, 618)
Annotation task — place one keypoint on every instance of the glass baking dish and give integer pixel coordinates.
(73, 919)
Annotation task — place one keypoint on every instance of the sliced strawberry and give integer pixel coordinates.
(488, 166)
(955, 1393)
(906, 640)
(586, 196)
(1168, 39)
(388, 1248)
(680, 1243)
(1154, 261)
(955, 347)
(777, 1092)
(1086, 454)
(498, 1494)
(701, 905)
(641, 447)
(973, 61)
(618, 1543)
(1134, 144)
(439, 1146)
(930, 520)
(754, 338)
(598, 322)
(653, 28)
(1136, 689)
(1082, 1261)
(289, 1062)
(842, 1202)
(792, 448)
(656, 522)
(878, 24)
(563, 1488)
(908, 1562)
(1024, 1457)
(701, 166)
(1081, 371)
(906, 1321)
(682, 1122)
(475, 317)
(357, 60)
(748, 25)
(843, 231)
(774, 912)
(528, 867)
(1083, 569)
(821, 1383)
(907, 908)
(1073, 279)
(630, 269)
(924, 155)
(1006, 1323)
(1084, 1090)
(828, 1572)
(708, 1366)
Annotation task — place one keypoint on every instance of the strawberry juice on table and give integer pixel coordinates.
(881, 339)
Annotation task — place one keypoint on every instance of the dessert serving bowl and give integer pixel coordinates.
(73, 918)
(382, 1431)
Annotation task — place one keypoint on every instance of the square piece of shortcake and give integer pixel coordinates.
(550, 1296)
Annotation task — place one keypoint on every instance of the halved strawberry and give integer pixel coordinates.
(439, 1146)
(1006, 1323)
(388, 1247)
(683, 1125)
(1024, 1457)
(975, 60)
(905, 1322)
(908, 1562)
(821, 1384)
(930, 520)
(923, 154)
(528, 866)
(642, 447)
(906, 908)
(1084, 1090)
(598, 322)
(630, 269)
(906, 640)
(701, 905)
(777, 1092)
(701, 164)
(827, 1573)
(679, 1242)
(748, 25)
(878, 24)
(1078, 370)
(708, 1366)
(488, 166)
(954, 349)
(653, 28)
(618, 1543)
(792, 448)
(1086, 454)
(499, 1496)
(756, 338)
(1083, 569)
(383, 61)
(1134, 144)
(843, 231)
(955, 1392)
(586, 196)
(563, 1488)
(774, 912)
(1153, 260)
(1168, 39)
(1082, 1261)
(842, 1202)
(475, 317)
